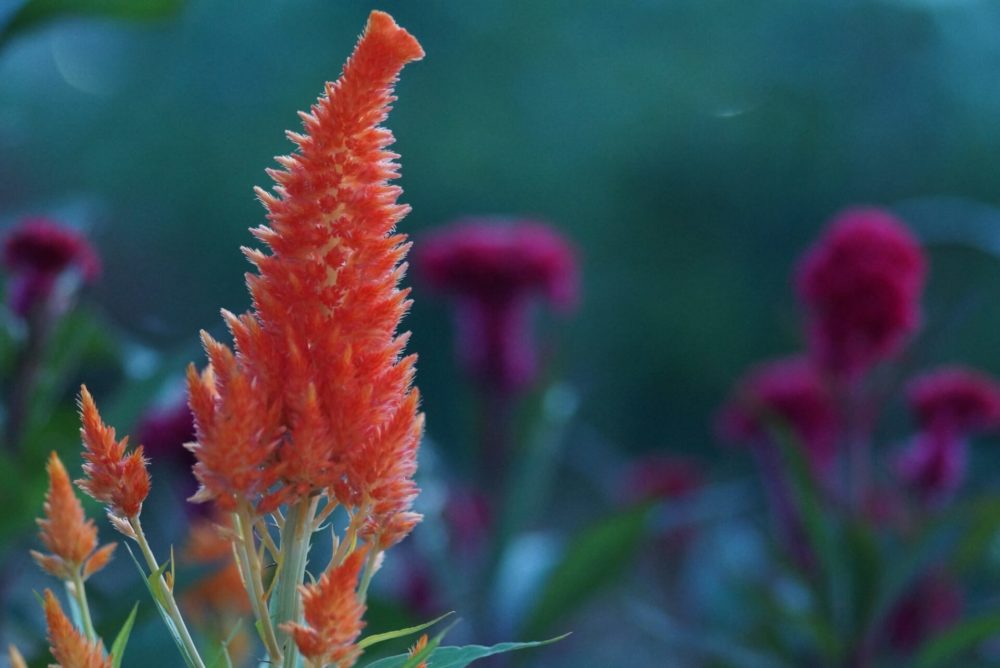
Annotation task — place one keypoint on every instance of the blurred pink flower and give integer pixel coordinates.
(37, 253)
(468, 516)
(494, 268)
(933, 604)
(164, 430)
(933, 465)
(861, 286)
(955, 399)
(660, 477)
(790, 391)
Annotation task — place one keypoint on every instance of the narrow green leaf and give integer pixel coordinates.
(946, 648)
(594, 558)
(399, 633)
(156, 592)
(459, 657)
(118, 646)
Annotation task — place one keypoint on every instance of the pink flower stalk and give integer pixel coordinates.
(789, 392)
(37, 253)
(934, 604)
(933, 465)
(494, 268)
(955, 399)
(861, 286)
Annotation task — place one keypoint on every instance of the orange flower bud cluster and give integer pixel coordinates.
(69, 647)
(69, 536)
(316, 395)
(118, 480)
(333, 612)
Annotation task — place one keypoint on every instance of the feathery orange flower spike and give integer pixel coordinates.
(417, 648)
(66, 532)
(69, 647)
(118, 480)
(333, 612)
(318, 395)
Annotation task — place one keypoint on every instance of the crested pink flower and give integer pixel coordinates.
(788, 392)
(164, 430)
(955, 399)
(661, 477)
(494, 268)
(861, 286)
(38, 252)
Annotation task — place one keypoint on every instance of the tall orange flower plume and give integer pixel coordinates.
(66, 532)
(333, 612)
(318, 395)
(118, 480)
(69, 647)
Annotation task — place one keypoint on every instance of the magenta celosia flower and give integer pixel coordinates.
(861, 286)
(468, 515)
(933, 465)
(494, 268)
(164, 430)
(932, 605)
(955, 399)
(37, 253)
(661, 477)
(790, 391)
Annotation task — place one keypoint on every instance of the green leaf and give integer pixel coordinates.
(459, 657)
(159, 597)
(945, 648)
(34, 13)
(594, 559)
(391, 635)
(118, 646)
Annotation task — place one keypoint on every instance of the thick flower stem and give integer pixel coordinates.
(250, 568)
(171, 604)
(79, 594)
(295, 541)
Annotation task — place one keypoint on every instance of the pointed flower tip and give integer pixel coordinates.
(69, 647)
(405, 45)
(65, 531)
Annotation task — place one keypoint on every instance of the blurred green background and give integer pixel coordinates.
(690, 148)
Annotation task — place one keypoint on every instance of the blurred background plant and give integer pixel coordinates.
(682, 153)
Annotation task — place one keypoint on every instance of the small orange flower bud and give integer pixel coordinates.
(332, 612)
(419, 647)
(69, 647)
(118, 480)
(65, 531)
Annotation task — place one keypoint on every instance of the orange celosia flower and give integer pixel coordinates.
(66, 532)
(318, 394)
(419, 647)
(69, 647)
(221, 591)
(113, 478)
(332, 612)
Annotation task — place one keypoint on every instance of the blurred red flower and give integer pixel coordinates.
(791, 391)
(661, 477)
(955, 399)
(861, 286)
(933, 604)
(494, 268)
(163, 431)
(37, 253)
(933, 465)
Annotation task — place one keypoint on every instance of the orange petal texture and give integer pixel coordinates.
(114, 478)
(64, 531)
(332, 613)
(417, 648)
(69, 647)
(316, 394)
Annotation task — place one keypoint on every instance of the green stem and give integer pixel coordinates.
(171, 604)
(369, 571)
(80, 595)
(250, 566)
(295, 540)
